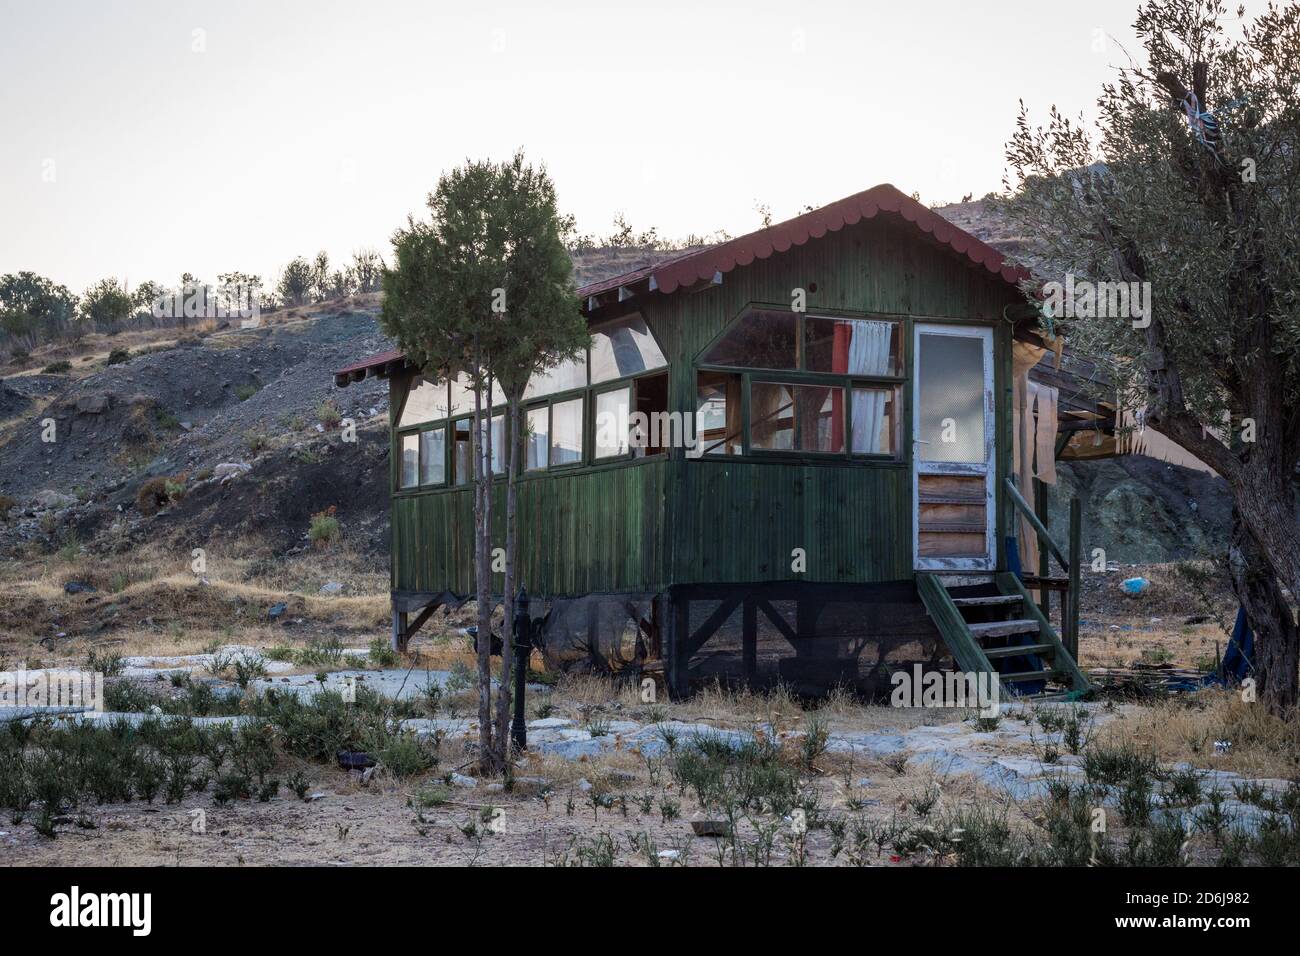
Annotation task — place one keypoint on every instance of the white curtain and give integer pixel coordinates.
(869, 355)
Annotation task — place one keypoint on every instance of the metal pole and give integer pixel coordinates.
(523, 649)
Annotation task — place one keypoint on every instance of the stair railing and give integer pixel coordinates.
(1070, 563)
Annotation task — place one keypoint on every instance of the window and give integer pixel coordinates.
(462, 396)
(652, 402)
(537, 439)
(951, 400)
(410, 461)
(796, 417)
(462, 462)
(613, 412)
(851, 346)
(624, 348)
(762, 338)
(875, 421)
(498, 444)
(425, 402)
(433, 456)
(718, 428)
(566, 432)
(565, 376)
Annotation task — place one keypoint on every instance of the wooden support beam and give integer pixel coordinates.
(779, 623)
(749, 641)
(1044, 538)
(1044, 565)
(399, 631)
(710, 627)
(1075, 569)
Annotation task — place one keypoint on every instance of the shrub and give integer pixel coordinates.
(245, 392)
(382, 654)
(7, 504)
(118, 356)
(58, 368)
(157, 493)
(328, 414)
(324, 529)
(256, 440)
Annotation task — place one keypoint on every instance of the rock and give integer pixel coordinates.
(53, 500)
(550, 723)
(331, 587)
(276, 611)
(530, 786)
(78, 587)
(669, 856)
(585, 785)
(367, 775)
(711, 828)
(313, 797)
(460, 780)
(231, 469)
(94, 403)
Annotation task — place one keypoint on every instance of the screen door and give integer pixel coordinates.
(952, 462)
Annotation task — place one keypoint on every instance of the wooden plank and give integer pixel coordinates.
(1044, 564)
(1022, 650)
(1004, 628)
(1076, 562)
(942, 545)
(992, 600)
(749, 641)
(1021, 676)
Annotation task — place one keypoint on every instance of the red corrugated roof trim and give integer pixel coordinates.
(374, 361)
(701, 265)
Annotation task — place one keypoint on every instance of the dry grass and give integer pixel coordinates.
(1185, 728)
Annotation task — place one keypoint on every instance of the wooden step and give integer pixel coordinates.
(1023, 676)
(950, 499)
(1004, 628)
(992, 653)
(991, 600)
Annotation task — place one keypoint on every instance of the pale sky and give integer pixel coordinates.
(144, 139)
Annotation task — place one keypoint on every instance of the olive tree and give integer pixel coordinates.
(1188, 185)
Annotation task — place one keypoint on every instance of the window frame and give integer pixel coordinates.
(845, 381)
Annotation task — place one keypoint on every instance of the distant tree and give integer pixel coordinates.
(485, 288)
(106, 305)
(320, 277)
(1192, 184)
(367, 270)
(295, 284)
(146, 294)
(35, 309)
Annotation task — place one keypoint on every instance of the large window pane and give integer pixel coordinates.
(462, 461)
(851, 346)
(433, 456)
(612, 414)
(462, 395)
(760, 339)
(718, 428)
(537, 442)
(410, 476)
(625, 347)
(771, 416)
(796, 417)
(566, 432)
(425, 402)
(662, 431)
(566, 375)
(951, 409)
(875, 421)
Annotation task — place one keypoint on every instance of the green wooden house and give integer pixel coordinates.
(784, 457)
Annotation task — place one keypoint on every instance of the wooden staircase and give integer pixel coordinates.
(998, 629)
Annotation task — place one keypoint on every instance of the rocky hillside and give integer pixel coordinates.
(245, 422)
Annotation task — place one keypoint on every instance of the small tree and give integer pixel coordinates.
(485, 288)
(295, 282)
(105, 305)
(1192, 184)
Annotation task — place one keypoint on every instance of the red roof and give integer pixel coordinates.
(702, 265)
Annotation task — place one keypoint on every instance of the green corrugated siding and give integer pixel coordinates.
(578, 532)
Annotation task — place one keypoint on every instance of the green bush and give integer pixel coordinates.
(118, 356)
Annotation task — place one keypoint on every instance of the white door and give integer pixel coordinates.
(953, 456)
